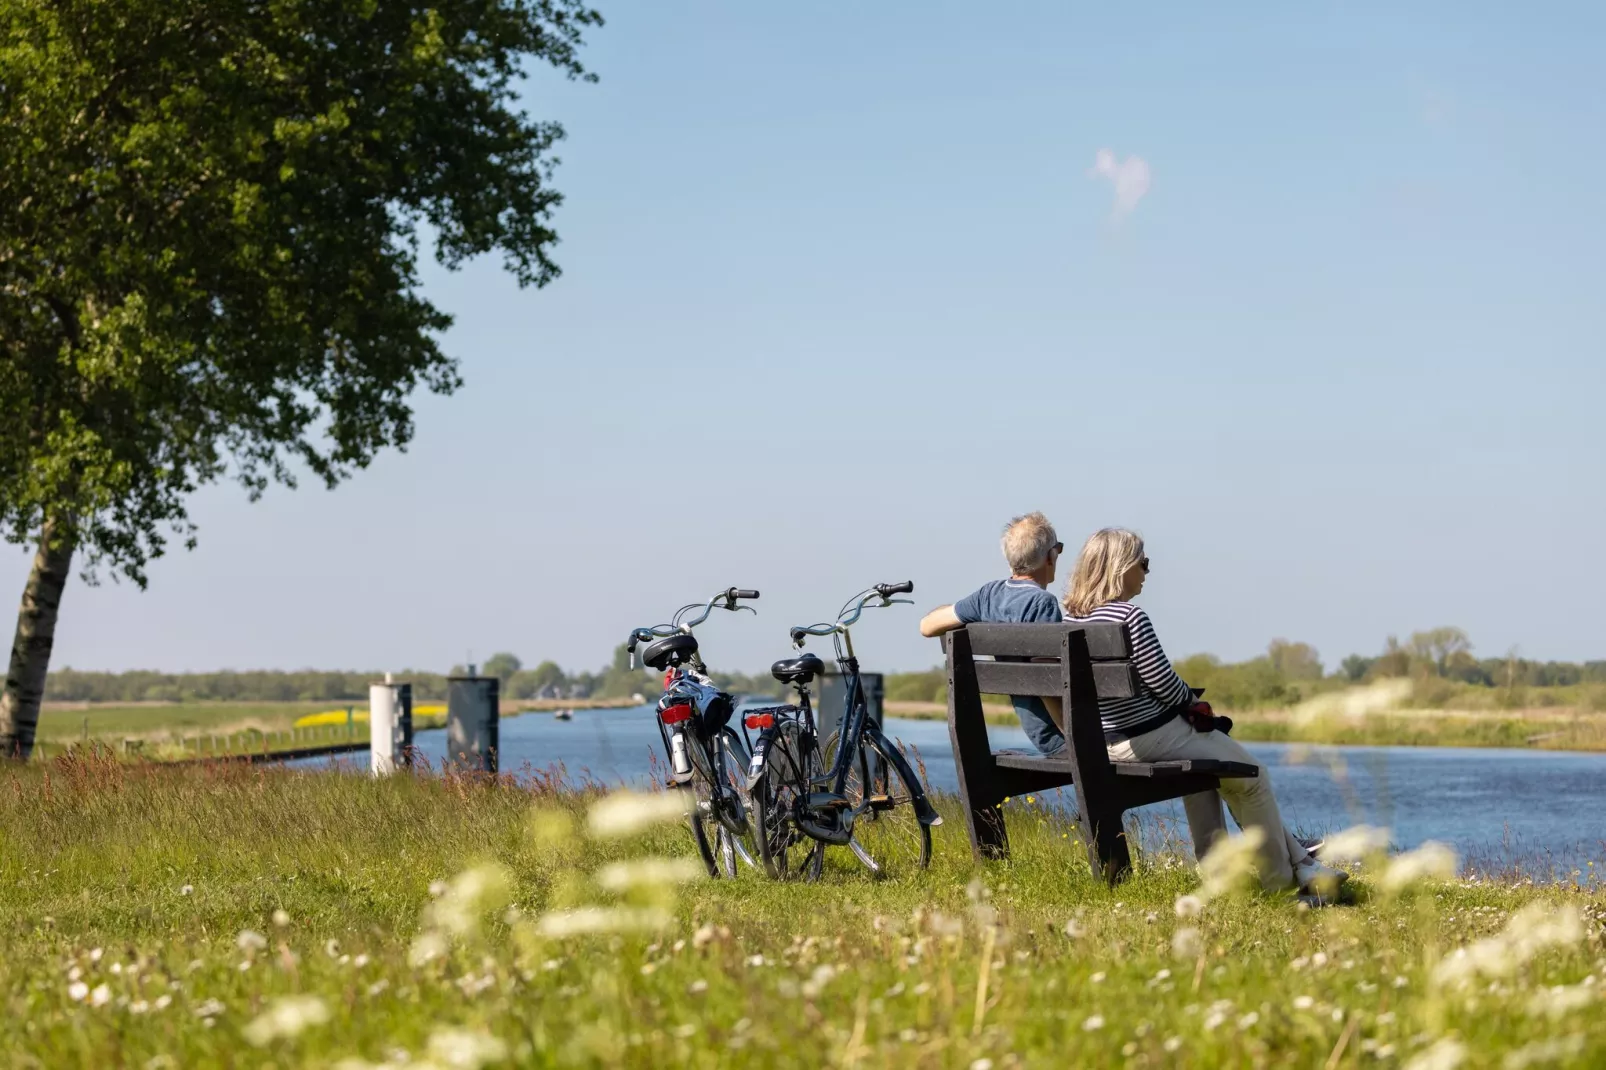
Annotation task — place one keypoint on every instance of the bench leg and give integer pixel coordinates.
(985, 823)
(1105, 835)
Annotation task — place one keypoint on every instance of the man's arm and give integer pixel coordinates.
(940, 620)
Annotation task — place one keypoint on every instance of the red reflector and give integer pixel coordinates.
(675, 714)
(760, 720)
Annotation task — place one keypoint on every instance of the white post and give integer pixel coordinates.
(384, 728)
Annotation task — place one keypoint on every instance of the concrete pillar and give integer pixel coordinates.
(390, 725)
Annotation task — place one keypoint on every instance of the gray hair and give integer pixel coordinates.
(1027, 542)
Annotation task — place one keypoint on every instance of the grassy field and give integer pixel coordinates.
(218, 915)
(1548, 728)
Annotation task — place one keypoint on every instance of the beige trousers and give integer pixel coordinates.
(1250, 799)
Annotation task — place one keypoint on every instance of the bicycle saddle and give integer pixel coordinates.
(670, 650)
(799, 670)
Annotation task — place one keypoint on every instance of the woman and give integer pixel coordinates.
(1150, 726)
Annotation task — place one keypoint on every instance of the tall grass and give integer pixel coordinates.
(222, 915)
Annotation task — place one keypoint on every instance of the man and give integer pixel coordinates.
(1033, 551)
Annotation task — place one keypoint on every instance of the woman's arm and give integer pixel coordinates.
(1154, 668)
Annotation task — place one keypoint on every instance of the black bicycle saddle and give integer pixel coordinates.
(798, 670)
(670, 650)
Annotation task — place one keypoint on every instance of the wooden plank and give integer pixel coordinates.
(1114, 679)
(1179, 767)
(1105, 642)
(979, 792)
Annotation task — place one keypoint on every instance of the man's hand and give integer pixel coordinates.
(940, 620)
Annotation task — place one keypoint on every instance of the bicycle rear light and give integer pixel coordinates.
(759, 720)
(675, 714)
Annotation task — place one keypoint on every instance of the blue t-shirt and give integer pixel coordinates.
(1015, 601)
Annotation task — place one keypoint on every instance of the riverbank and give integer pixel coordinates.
(183, 917)
(1547, 728)
(178, 730)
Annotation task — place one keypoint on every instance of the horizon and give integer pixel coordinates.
(1309, 298)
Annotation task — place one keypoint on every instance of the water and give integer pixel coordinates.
(1539, 808)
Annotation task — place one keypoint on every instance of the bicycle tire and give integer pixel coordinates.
(720, 848)
(888, 835)
(791, 759)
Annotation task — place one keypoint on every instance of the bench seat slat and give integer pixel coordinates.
(1213, 767)
(1114, 679)
(1105, 642)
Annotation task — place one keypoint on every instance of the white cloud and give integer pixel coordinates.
(1130, 177)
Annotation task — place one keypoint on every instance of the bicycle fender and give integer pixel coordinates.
(924, 811)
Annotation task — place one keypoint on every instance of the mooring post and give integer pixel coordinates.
(473, 707)
(390, 728)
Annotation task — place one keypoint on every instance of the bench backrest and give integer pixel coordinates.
(1076, 663)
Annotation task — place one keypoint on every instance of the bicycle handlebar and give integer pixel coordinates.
(729, 596)
(846, 619)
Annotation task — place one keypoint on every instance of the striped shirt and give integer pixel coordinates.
(1163, 690)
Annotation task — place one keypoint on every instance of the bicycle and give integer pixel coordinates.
(705, 754)
(857, 790)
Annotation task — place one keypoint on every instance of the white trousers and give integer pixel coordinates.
(1250, 799)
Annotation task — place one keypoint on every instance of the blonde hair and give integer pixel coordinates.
(1101, 568)
(1027, 542)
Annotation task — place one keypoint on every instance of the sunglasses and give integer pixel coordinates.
(1144, 565)
(1057, 548)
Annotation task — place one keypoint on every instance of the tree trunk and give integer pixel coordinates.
(30, 649)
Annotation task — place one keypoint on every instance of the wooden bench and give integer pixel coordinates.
(1076, 663)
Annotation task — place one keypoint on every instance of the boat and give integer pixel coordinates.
(563, 715)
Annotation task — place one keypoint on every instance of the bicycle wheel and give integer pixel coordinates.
(790, 760)
(720, 821)
(888, 835)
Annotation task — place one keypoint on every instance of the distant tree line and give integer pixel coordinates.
(545, 681)
(1440, 660)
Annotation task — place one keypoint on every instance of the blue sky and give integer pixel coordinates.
(843, 291)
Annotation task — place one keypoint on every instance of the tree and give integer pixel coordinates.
(502, 666)
(211, 214)
(1435, 647)
(1294, 661)
(1355, 667)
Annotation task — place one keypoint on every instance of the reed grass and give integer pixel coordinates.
(221, 915)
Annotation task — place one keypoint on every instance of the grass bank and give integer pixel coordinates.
(228, 916)
(168, 730)
(1547, 728)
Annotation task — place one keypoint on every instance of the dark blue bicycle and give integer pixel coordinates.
(854, 789)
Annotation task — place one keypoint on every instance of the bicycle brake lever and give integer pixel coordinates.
(899, 602)
(750, 609)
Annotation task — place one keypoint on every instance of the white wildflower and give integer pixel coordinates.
(77, 991)
(464, 1050)
(100, 996)
(1248, 1020)
(1354, 703)
(981, 1064)
(1560, 1000)
(163, 1002)
(249, 941)
(581, 921)
(428, 946)
(437, 889)
(1431, 861)
(1355, 843)
(1531, 930)
(139, 1006)
(1093, 1022)
(1188, 906)
(468, 897)
(96, 953)
(1187, 943)
(1555, 1050)
(1214, 1020)
(1097, 978)
(648, 873)
(280, 918)
(285, 1018)
(1445, 1054)
(1303, 1003)
(188, 889)
(626, 813)
(210, 1008)
(1231, 864)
